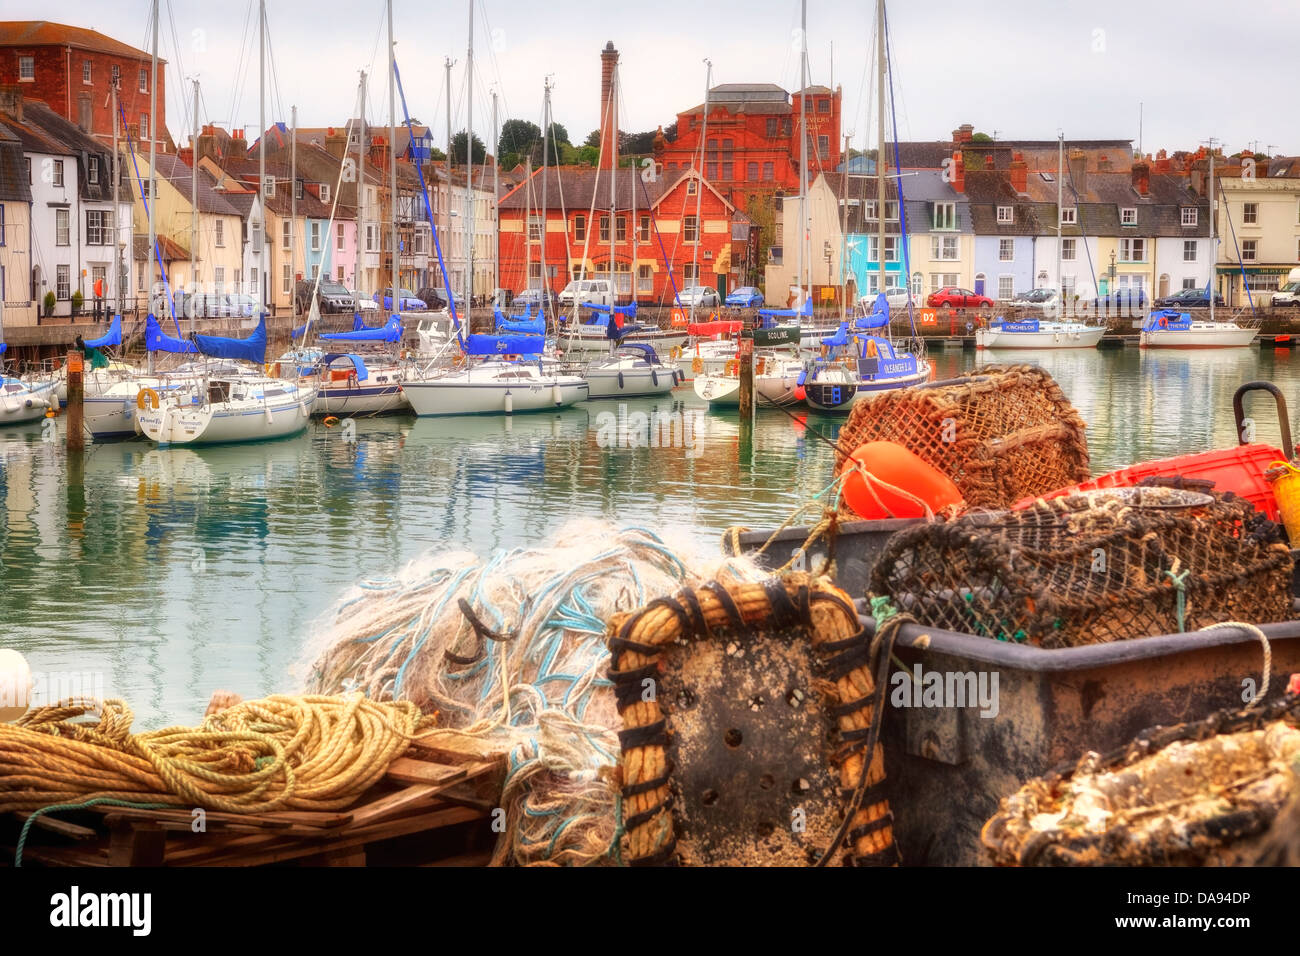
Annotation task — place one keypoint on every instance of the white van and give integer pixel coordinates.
(595, 291)
(1289, 294)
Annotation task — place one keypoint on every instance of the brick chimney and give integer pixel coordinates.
(1078, 172)
(1141, 176)
(336, 142)
(1103, 164)
(1162, 164)
(1261, 166)
(1019, 174)
(963, 134)
(608, 106)
(379, 152)
(11, 101)
(958, 172)
(1200, 173)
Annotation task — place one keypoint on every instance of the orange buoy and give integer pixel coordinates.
(914, 481)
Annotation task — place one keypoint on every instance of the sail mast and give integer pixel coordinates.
(293, 197)
(194, 205)
(360, 184)
(545, 211)
(803, 150)
(1213, 255)
(613, 180)
(261, 140)
(153, 166)
(699, 187)
(881, 204)
(392, 157)
(469, 168)
(496, 191)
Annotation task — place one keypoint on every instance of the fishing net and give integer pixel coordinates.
(1005, 434)
(1202, 793)
(1091, 568)
(510, 652)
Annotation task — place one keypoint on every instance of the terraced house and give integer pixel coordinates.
(1258, 225)
(17, 304)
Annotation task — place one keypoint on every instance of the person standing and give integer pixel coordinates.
(99, 297)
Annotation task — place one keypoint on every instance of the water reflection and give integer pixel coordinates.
(178, 571)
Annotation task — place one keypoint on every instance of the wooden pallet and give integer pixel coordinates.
(430, 789)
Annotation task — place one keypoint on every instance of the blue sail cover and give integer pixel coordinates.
(840, 338)
(392, 332)
(251, 349)
(3, 348)
(112, 337)
(357, 322)
(504, 344)
(1167, 320)
(357, 361)
(155, 341)
(535, 326)
(804, 313)
(876, 320)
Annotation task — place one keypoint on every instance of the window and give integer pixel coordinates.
(324, 192)
(1128, 216)
(338, 237)
(620, 228)
(891, 211)
(2, 232)
(219, 233)
(823, 146)
(339, 277)
(1250, 213)
(690, 187)
(144, 125)
(85, 71)
(219, 279)
(690, 229)
(297, 189)
(315, 237)
(418, 244)
(315, 270)
(1005, 213)
(751, 172)
(943, 247)
(268, 187)
(942, 280)
(144, 80)
(61, 227)
(1189, 249)
(872, 210)
(1189, 215)
(286, 233)
(286, 279)
(1248, 250)
(252, 281)
(1006, 287)
(1069, 249)
(580, 228)
(644, 230)
(1132, 250)
(1189, 284)
(691, 272)
(84, 112)
(823, 106)
(99, 227)
(28, 161)
(604, 228)
(769, 172)
(92, 170)
(891, 248)
(370, 237)
(1067, 286)
(26, 69)
(58, 172)
(1069, 215)
(711, 171)
(945, 215)
(771, 126)
(645, 279)
(63, 282)
(1006, 250)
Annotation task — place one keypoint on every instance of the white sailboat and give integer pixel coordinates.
(1038, 334)
(233, 409)
(633, 370)
(22, 402)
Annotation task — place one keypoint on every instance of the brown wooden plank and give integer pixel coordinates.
(61, 827)
(59, 856)
(277, 819)
(407, 770)
(136, 844)
(468, 859)
(454, 748)
(403, 799)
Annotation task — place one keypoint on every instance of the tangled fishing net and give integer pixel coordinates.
(510, 650)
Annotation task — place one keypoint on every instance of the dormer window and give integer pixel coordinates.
(268, 187)
(1006, 214)
(1189, 215)
(1069, 215)
(324, 192)
(1128, 216)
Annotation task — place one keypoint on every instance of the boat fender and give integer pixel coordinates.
(733, 366)
(889, 463)
(697, 365)
(29, 403)
(510, 403)
(146, 395)
(16, 679)
(654, 376)
(557, 393)
(620, 379)
(872, 351)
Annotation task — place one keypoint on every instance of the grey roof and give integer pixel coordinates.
(1104, 195)
(747, 92)
(13, 170)
(178, 174)
(919, 155)
(70, 138)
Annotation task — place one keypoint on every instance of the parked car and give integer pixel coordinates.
(432, 298)
(1045, 301)
(746, 297)
(895, 295)
(243, 305)
(1189, 299)
(595, 291)
(407, 301)
(700, 296)
(952, 297)
(363, 302)
(1289, 294)
(532, 298)
(331, 297)
(204, 305)
(1120, 301)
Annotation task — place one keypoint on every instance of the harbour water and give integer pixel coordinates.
(169, 573)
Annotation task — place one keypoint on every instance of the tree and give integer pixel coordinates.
(593, 139)
(558, 134)
(981, 138)
(458, 149)
(516, 140)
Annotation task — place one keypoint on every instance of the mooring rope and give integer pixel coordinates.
(1268, 654)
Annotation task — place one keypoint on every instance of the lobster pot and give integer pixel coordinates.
(1196, 794)
(1091, 568)
(1002, 435)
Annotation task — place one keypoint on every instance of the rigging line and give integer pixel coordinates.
(918, 343)
(237, 87)
(1069, 174)
(180, 67)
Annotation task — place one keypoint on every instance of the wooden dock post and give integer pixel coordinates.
(747, 371)
(76, 411)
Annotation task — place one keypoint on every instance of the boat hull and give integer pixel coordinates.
(27, 406)
(459, 397)
(360, 400)
(598, 344)
(635, 383)
(840, 397)
(1085, 337)
(223, 424)
(1194, 338)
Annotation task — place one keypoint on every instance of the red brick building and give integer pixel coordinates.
(71, 70)
(752, 138)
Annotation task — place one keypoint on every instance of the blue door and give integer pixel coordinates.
(979, 284)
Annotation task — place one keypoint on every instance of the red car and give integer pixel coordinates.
(957, 299)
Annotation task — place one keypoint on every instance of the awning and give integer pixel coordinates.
(1236, 270)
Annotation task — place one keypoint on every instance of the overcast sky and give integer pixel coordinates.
(1013, 68)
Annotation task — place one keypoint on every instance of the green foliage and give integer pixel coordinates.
(49, 303)
(458, 149)
(981, 138)
(77, 300)
(593, 139)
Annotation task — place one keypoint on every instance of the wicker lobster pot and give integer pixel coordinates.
(1092, 568)
(1197, 794)
(1002, 435)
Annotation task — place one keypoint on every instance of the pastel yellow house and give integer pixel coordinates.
(1258, 230)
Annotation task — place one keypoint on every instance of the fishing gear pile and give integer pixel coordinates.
(1001, 435)
(1200, 793)
(1091, 568)
(509, 653)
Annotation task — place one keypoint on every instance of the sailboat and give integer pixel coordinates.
(363, 384)
(22, 402)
